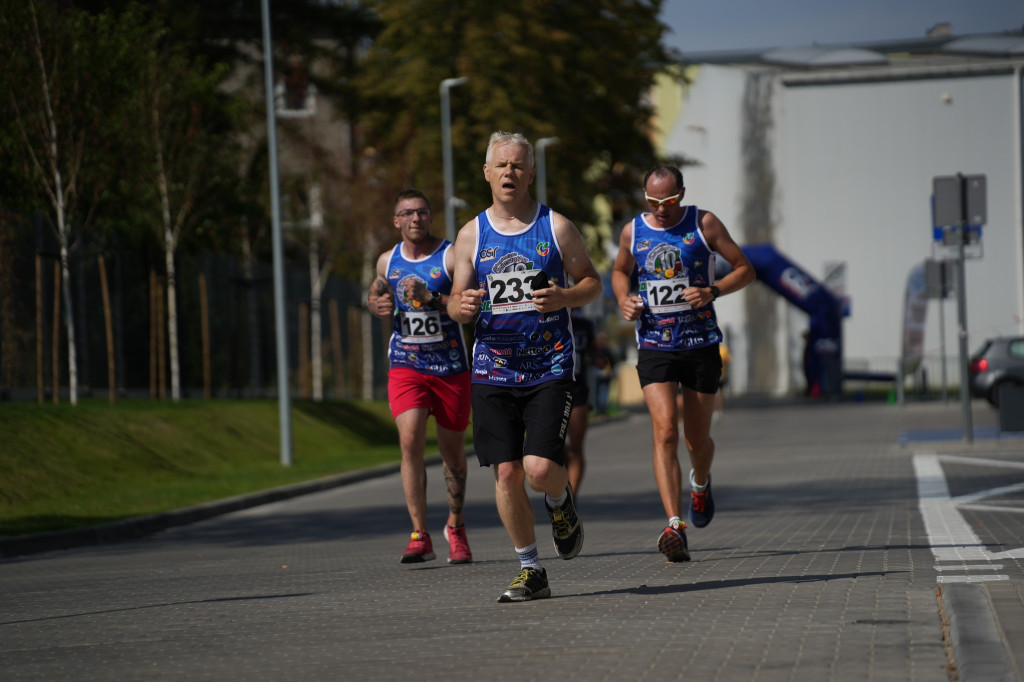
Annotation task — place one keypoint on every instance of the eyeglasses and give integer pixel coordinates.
(667, 201)
(410, 212)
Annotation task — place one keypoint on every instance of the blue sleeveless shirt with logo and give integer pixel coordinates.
(667, 262)
(516, 345)
(424, 338)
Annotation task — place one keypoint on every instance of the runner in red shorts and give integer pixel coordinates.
(429, 372)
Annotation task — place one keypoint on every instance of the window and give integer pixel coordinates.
(294, 94)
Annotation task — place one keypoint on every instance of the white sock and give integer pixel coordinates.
(697, 488)
(554, 502)
(675, 522)
(528, 556)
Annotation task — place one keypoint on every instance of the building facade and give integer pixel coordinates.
(829, 154)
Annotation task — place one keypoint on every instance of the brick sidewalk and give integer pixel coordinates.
(818, 566)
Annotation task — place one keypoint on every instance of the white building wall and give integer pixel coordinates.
(854, 164)
(857, 173)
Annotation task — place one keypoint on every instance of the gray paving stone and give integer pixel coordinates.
(816, 567)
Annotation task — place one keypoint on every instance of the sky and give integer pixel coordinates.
(711, 25)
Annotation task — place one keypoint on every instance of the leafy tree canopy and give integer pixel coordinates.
(547, 68)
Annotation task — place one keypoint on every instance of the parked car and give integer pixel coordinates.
(997, 363)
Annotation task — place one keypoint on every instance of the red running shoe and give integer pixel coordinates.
(702, 506)
(420, 548)
(458, 552)
(672, 543)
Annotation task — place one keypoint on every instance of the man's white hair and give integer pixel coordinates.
(500, 137)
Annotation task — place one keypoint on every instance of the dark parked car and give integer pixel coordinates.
(999, 362)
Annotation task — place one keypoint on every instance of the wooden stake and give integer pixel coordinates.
(56, 332)
(204, 311)
(111, 370)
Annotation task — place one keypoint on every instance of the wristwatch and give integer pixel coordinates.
(714, 292)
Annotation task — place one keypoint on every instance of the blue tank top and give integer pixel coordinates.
(667, 262)
(515, 345)
(423, 337)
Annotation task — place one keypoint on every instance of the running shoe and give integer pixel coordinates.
(420, 548)
(531, 583)
(458, 550)
(672, 543)
(566, 529)
(702, 506)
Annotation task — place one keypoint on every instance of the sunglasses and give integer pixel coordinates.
(667, 201)
(410, 212)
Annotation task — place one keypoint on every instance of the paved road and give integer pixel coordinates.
(851, 542)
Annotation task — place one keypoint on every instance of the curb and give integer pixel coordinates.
(977, 644)
(141, 526)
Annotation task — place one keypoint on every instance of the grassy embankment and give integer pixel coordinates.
(65, 467)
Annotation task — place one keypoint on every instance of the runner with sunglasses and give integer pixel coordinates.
(670, 252)
(429, 372)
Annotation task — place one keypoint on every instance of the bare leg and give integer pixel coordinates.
(412, 427)
(542, 475)
(513, 504)
(661, 403)
(453, 453)
(697, 409)
(574, 460)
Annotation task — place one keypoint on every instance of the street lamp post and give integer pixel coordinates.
(283, 397)
(446, 152)
(542, 170)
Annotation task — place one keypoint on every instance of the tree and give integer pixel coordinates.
(185, 118)
(320, 46)
(62, 70)
(578, 71)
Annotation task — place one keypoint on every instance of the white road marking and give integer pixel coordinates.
(950, 536)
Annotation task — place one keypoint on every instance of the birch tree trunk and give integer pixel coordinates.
(170, 238)
(172, 319)
(69, 322)
(59, 194)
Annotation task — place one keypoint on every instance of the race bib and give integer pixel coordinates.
(665, 296)
(510, 291)
(421, 326)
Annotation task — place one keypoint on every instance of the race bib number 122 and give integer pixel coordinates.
(666, 296)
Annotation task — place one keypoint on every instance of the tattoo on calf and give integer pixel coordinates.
(455, 485)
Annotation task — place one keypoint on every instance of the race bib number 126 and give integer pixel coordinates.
(421, 326)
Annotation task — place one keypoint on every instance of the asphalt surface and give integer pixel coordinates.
(852, 541)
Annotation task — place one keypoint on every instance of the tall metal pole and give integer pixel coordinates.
(283, 395)
(542, 167)
(446, 152)
(961, 305)
(942, 334)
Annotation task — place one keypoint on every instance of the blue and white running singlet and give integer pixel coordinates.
(515, 345)
(424, 338)
(667, 262)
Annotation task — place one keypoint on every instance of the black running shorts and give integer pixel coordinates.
(699, 369)
(512, 421)
(580, 392)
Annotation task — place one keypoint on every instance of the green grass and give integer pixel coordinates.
(65, 467)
